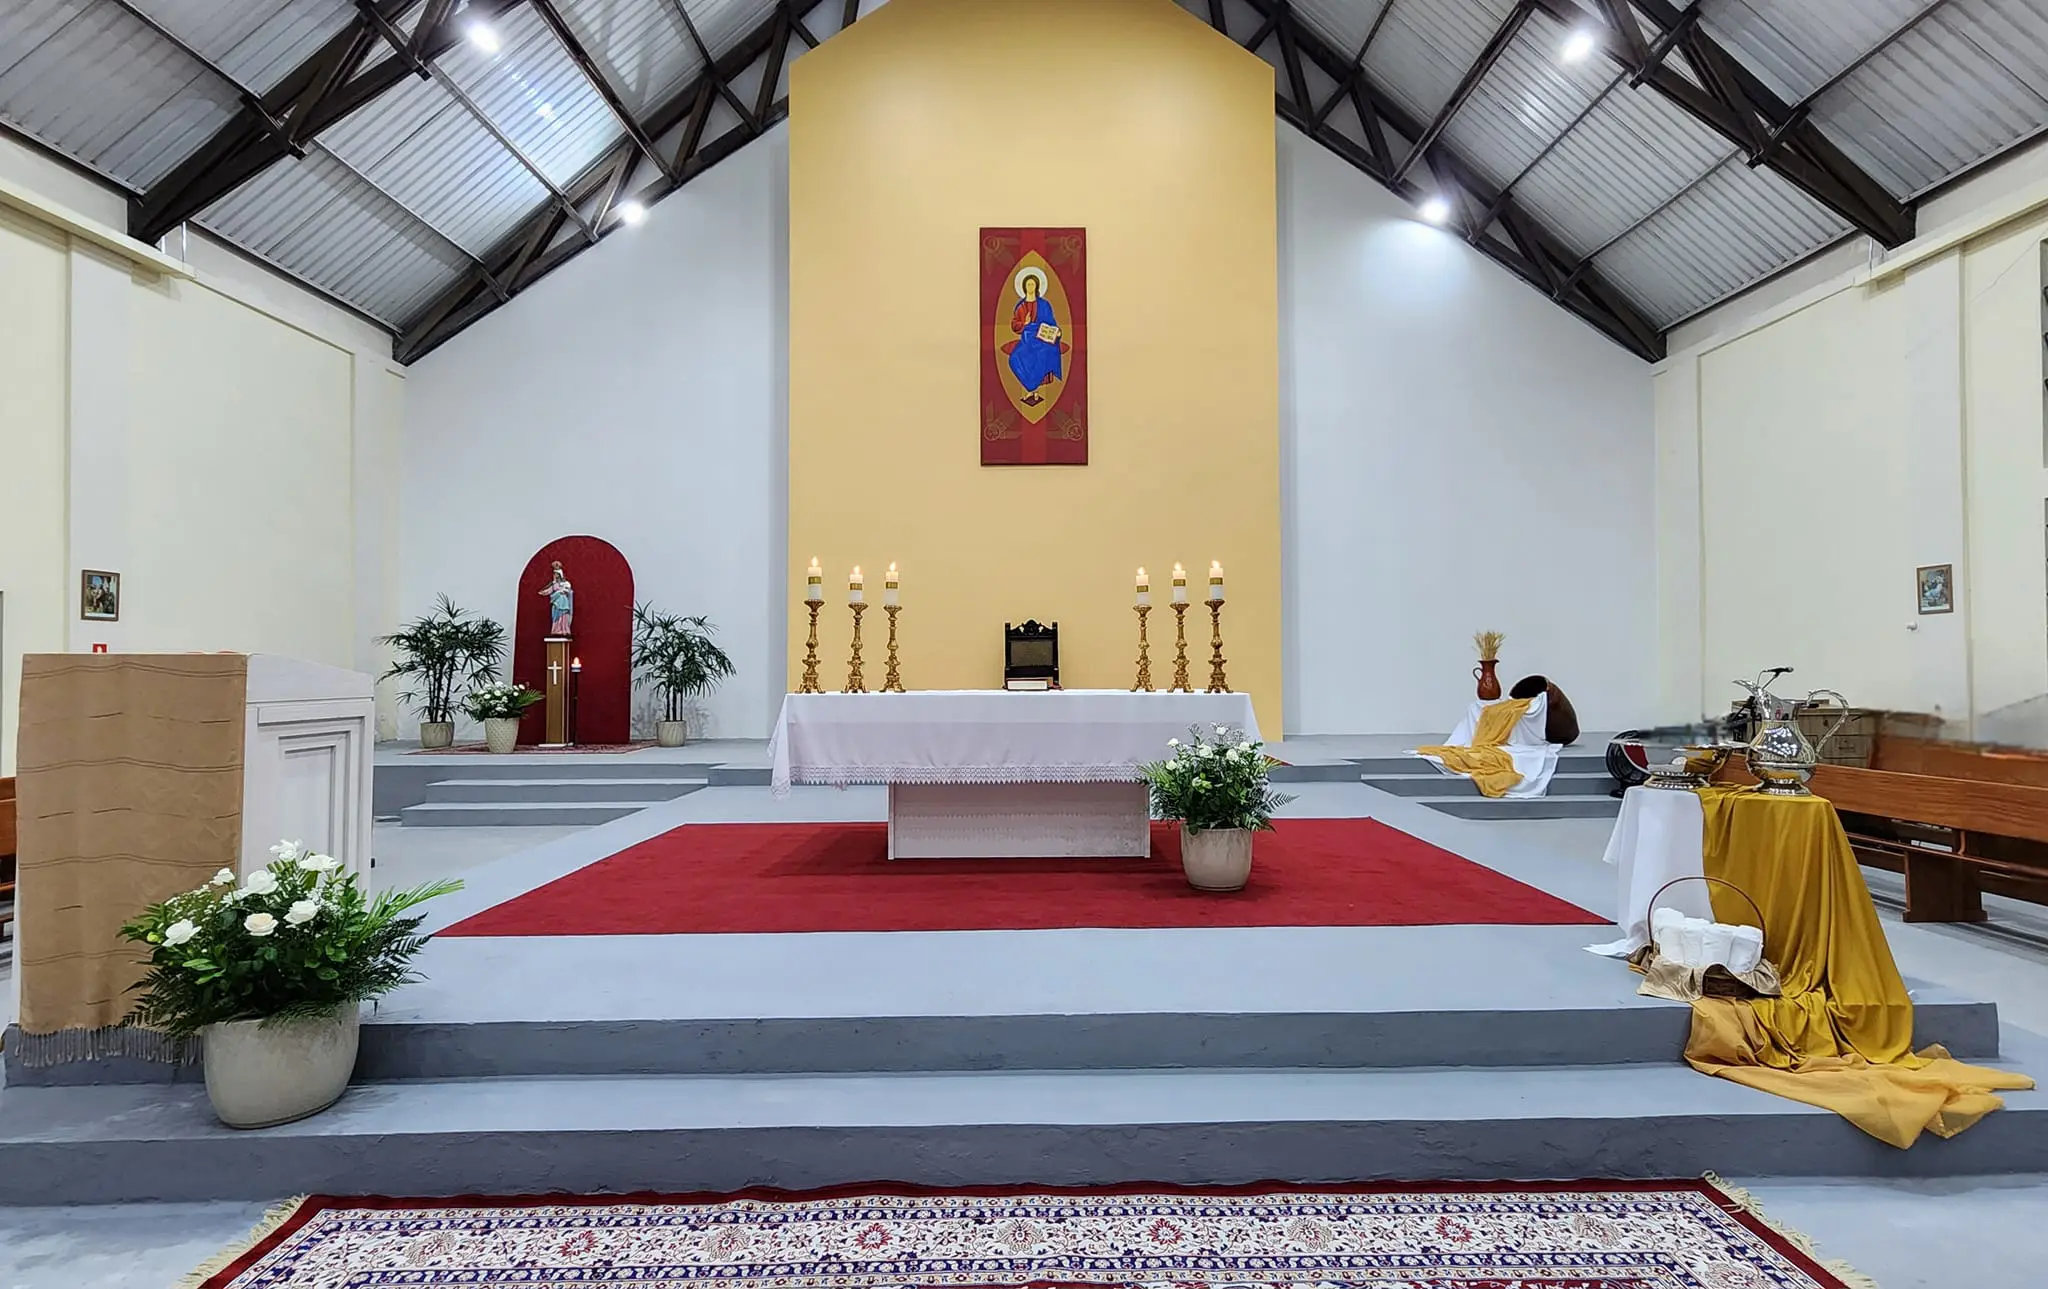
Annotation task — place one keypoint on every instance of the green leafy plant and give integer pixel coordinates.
(298, 938)
(1214, 780)
(500, 700)
(677, 656)
(447, 649)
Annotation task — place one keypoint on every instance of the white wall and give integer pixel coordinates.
(634, 395)
(1457, 454)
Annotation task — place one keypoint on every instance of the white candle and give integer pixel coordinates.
(1215, 580)
(1144, 589)
(814, 588)
(889, 585)
(1180, 585)
(853, 584)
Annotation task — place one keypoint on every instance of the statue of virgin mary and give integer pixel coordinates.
(561, 602)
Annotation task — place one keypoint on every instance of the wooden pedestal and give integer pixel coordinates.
(557, 680)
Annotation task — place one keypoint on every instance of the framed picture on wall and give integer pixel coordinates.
(1936, 587)
(99, 596)
(1034, 346)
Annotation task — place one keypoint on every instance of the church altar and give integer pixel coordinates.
(994, 774)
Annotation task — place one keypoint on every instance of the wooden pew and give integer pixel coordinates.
(7, 818)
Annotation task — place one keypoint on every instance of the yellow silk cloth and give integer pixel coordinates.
(1488, 765)
(1841, 1037)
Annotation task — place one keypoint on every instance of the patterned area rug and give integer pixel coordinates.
(1595, 1235)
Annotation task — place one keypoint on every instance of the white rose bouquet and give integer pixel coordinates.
(500, 700)
(297, 938)
(1215, 780)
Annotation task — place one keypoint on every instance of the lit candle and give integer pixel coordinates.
(853, 591)
(1144, 589)
(1215, 580)
(814, 589)
(1180, 585)
(889, 585)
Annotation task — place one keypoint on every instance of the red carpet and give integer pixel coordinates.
(709, 878)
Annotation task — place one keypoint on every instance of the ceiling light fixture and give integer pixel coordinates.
(1579, 45)
(481, 35)
(1436, 209)
(631, 212)
(545, 111)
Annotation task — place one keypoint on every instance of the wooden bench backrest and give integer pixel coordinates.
(7, 816)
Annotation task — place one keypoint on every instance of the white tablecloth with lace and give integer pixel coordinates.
(990, 773)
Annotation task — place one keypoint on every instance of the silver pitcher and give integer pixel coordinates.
(1777, 751)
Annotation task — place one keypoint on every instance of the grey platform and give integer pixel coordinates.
(1580, 789)
(619, 1063)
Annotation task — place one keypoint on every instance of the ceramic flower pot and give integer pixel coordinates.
(501, 734)
(1489, 682)
(435, 734)
(1216, 859)
(671, 733)
(259, 1074)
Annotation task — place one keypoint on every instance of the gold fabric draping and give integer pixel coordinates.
(1841, 1036)
(1485, 760)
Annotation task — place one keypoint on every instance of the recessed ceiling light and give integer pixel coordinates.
(1436, 210)
(631, 212)
(481, 35)
(1578, 45)
(545, 111)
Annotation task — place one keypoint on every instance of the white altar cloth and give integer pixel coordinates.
(1659, 837)
(988, 735)
(990, 773)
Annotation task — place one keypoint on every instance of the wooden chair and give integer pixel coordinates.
(1031, 656)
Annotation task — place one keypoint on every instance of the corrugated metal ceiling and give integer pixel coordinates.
(393, 203)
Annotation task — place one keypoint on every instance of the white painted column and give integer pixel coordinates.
(1940, 649)
(98, 484)
(1682, 685)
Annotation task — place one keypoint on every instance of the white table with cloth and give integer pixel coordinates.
(1658, 839)
(996, 774)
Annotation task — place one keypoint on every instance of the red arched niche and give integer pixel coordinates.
(603, 632)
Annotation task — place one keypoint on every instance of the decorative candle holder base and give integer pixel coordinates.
(892, 683)
(1218, 684)
(855, 682)
(1143, 684)
(809, 684)
(1181, 684)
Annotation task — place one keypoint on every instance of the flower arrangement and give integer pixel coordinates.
(1488, 644)
(295, 939)
(500, 700)
(1214, 781)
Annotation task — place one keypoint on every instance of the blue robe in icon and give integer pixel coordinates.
(1033, 361)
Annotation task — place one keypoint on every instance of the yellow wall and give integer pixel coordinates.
(909, 132)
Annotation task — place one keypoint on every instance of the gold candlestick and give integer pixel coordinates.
(1144, 682)
(810, 681)
(1180, 650)
(855, 684)
(893, 682)
(1217, 684)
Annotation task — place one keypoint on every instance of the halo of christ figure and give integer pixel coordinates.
(1035, 358)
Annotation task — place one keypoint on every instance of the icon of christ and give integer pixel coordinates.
(1034, 346)
(1035, 354)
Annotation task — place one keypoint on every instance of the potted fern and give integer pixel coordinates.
(679, 659)
(499, 704)
(270, 971)
(1217, 786)
(445, 651)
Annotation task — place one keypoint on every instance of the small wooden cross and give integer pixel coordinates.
(554, 673)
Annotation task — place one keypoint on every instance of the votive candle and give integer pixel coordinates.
(1144, 589)
(814, 588)
(854, 594)
(1215, 580)
(889, 585)
(1180, 585)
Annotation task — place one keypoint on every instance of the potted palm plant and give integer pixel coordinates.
(680, 660)
(1217, 786)
(270, 972)
(439, 654)
(499, 704)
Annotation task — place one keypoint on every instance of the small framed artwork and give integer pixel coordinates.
(1936, 587)
(99, 596)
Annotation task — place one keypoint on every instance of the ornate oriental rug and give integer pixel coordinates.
(1594, 1235)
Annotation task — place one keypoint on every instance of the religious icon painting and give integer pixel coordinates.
(1034, 346)
(99, 596)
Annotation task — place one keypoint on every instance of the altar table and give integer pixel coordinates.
(992, 773)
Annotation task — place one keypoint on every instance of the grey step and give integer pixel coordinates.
(515, 814)
(1338, 772)
(572, 790)
(739, 776)
(1642, 1031)
(127, 1144)
(1429, 783)
(1584, 807)
(1575, 761)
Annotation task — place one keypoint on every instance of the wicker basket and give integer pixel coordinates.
(1715, 981)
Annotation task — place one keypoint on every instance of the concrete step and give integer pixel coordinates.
(1553, 807)
(572, 790)
(515, 814)
(739, 776)
(1330, 772)
(127, 1144)
(1429, 783)
(1577, 760)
